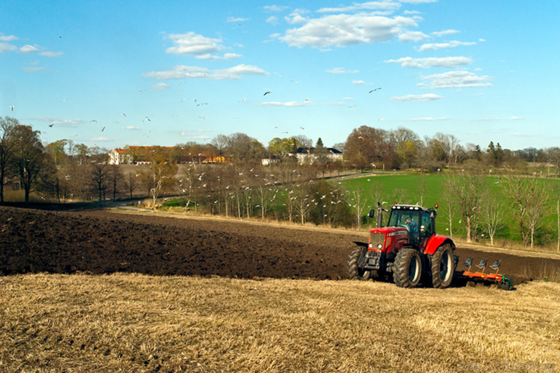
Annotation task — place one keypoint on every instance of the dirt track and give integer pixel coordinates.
(101, 241)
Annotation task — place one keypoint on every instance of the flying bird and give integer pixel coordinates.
(302, 128)
(93, 120)
(307, 99)
(266, 93)
(352, 107)
(12, 107)
(380, 119)
(146, 119)
(60, 36)
(123, 114)
(373, 90)
(52, 124)
(103, 129)
(204, 117)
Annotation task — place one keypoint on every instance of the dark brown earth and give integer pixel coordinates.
(100, 241)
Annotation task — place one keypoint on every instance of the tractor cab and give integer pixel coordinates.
(418, 221)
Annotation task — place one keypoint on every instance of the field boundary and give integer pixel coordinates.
(309, 227)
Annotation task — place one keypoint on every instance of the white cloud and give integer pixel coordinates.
(517, 118)
(424, 63)
(160, 86)
(28, 49)
(481, 40)
(236, 19)
(5, 47)
(8, 37)
(359, 82)
(418, 1)
(192, 72)
(32, 69)
(297, 103)
(429, 119)
(130, 128)
(451, 44)
(50, 54)
(486, 120)
(273, 20)
(445, 32)
(370, 5)
(59, 121)
(411, 12)
(274, 8)
(341, 70)
(458, 79)
(343, 29)
(415, 36)
(103, 139)
(193, 44)
(425, 97)
(227, 56)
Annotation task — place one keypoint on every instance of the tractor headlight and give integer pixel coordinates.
(380, 246)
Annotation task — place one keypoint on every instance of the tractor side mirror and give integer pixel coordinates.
(432, 215)
(371, 213)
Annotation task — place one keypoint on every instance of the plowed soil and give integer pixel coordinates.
(102, 241)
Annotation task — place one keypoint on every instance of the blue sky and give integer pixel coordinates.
(167, 72)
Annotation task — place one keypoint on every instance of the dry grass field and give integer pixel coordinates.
(140, 323)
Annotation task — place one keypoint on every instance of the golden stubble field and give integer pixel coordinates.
(138, 323)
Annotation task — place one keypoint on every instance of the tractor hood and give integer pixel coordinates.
(388, 230)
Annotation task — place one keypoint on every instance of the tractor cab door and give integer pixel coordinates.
(427, 228)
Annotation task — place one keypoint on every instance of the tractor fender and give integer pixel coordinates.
(435, 242)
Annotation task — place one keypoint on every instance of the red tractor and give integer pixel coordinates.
(408, 248)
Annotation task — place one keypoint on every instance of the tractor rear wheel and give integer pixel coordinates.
(443, 267)
(407, 269)
(354, 271)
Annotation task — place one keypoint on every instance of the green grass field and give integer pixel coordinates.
(428, 189)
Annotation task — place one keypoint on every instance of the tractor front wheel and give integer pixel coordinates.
(443, 267)
(407, 269)
(355, 259)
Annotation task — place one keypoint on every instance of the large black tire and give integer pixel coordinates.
(443, 267)
(354, 272)
(407, 269)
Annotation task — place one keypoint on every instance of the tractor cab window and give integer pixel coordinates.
(406, 219)
(426, 226)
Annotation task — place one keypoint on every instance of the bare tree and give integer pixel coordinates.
(7, 144)
(29, 159)
(115, 180)
(131, 183)
(302, 201)
(160, 176)
(492, 213)
(468, 189)
(358, 201)
(449, 202)
(536, 207)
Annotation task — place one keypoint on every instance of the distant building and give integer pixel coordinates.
(120, 156)
(309, 155)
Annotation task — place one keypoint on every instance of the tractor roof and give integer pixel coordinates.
(410, 208)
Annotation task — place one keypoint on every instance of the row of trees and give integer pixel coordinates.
(368, 147)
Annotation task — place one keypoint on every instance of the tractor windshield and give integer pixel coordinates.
(406, 219)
